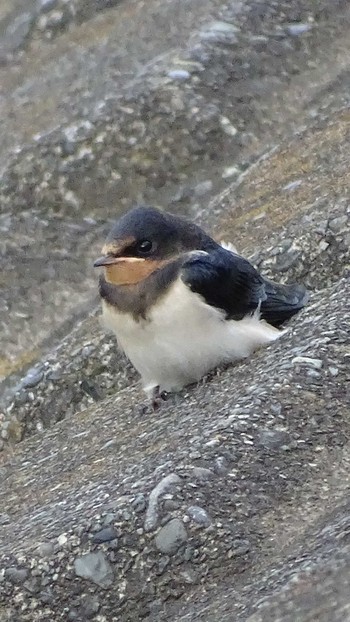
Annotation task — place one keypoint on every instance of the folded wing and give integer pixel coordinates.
(229, 282)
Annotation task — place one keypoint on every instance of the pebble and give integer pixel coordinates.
(17, 32)
(105, 535)
(17, 576)
(286, 260)
(336, 224)
(45, 549)
(139, 503)
(108, 519)
(220, 465)
(228, 127)
(201, 473)
(152, 511)
(62, 539)
(230, 171)
(323, 245)
(90, 605)
(96, 568)
(46, 5)
(334, 371)
(171, 536)
(195, 454)
(292, 185)
(203, 188)
(240, 547)
(273, 439)
(52, 20)
(221, 26)
(297, 29)
(179, 74)
(306, 360)
(33, 378)
(199, 515)
(189, 576)
(219, 32)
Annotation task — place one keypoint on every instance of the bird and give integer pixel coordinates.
(182, 304)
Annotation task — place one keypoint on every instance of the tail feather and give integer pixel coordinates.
(282, 302)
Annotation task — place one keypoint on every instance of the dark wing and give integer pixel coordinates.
(229, 282)
(226, 281)
(282, 302)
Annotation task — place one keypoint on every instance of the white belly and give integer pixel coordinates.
(183, 338)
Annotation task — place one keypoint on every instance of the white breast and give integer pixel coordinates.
(183, 338)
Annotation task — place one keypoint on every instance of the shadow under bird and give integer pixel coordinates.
(181, 304)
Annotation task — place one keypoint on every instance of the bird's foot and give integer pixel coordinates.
(158, 398)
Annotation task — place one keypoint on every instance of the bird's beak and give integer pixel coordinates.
(111, 260)
(106, 260)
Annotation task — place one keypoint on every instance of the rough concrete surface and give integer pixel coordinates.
(231, 502)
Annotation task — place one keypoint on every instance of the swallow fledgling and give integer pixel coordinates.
(181, 304)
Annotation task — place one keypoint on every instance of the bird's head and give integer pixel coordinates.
(144, 240)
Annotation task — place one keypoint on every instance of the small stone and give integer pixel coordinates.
(171, 536)
(199, 515)
(239, 547)
(195, 455)
(203, 188)
(184, 193)
(17, 31)
(273, 439)
(46, 5)
(152, 511)
(310, 362)
(162, 564)
(323, 245)
(292, 185)
(45, 549)
(54, 374)
(179, 74)
(220, 32)
(108, 519)
(297, 29)
(139, 503)
(202, 473)
(105, 535)
(221, 26)
(337, 224)
(334, 371)
(46, 596)
(113, 544)
(90, 605)
(221, 465)
(96, 568)
(62, 539)
(32, 378)
(12, 430)
(189, 576)
(170, 505)
(287, 260)
(228, 127)
(17, 576)
(230, 171)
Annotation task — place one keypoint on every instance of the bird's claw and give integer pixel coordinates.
(158, 398)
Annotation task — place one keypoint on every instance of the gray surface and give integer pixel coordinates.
(231, 502)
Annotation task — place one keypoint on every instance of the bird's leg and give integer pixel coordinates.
(157, 398)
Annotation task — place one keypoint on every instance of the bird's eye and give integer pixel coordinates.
(144, 247)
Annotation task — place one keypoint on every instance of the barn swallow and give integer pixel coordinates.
(181, 304)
